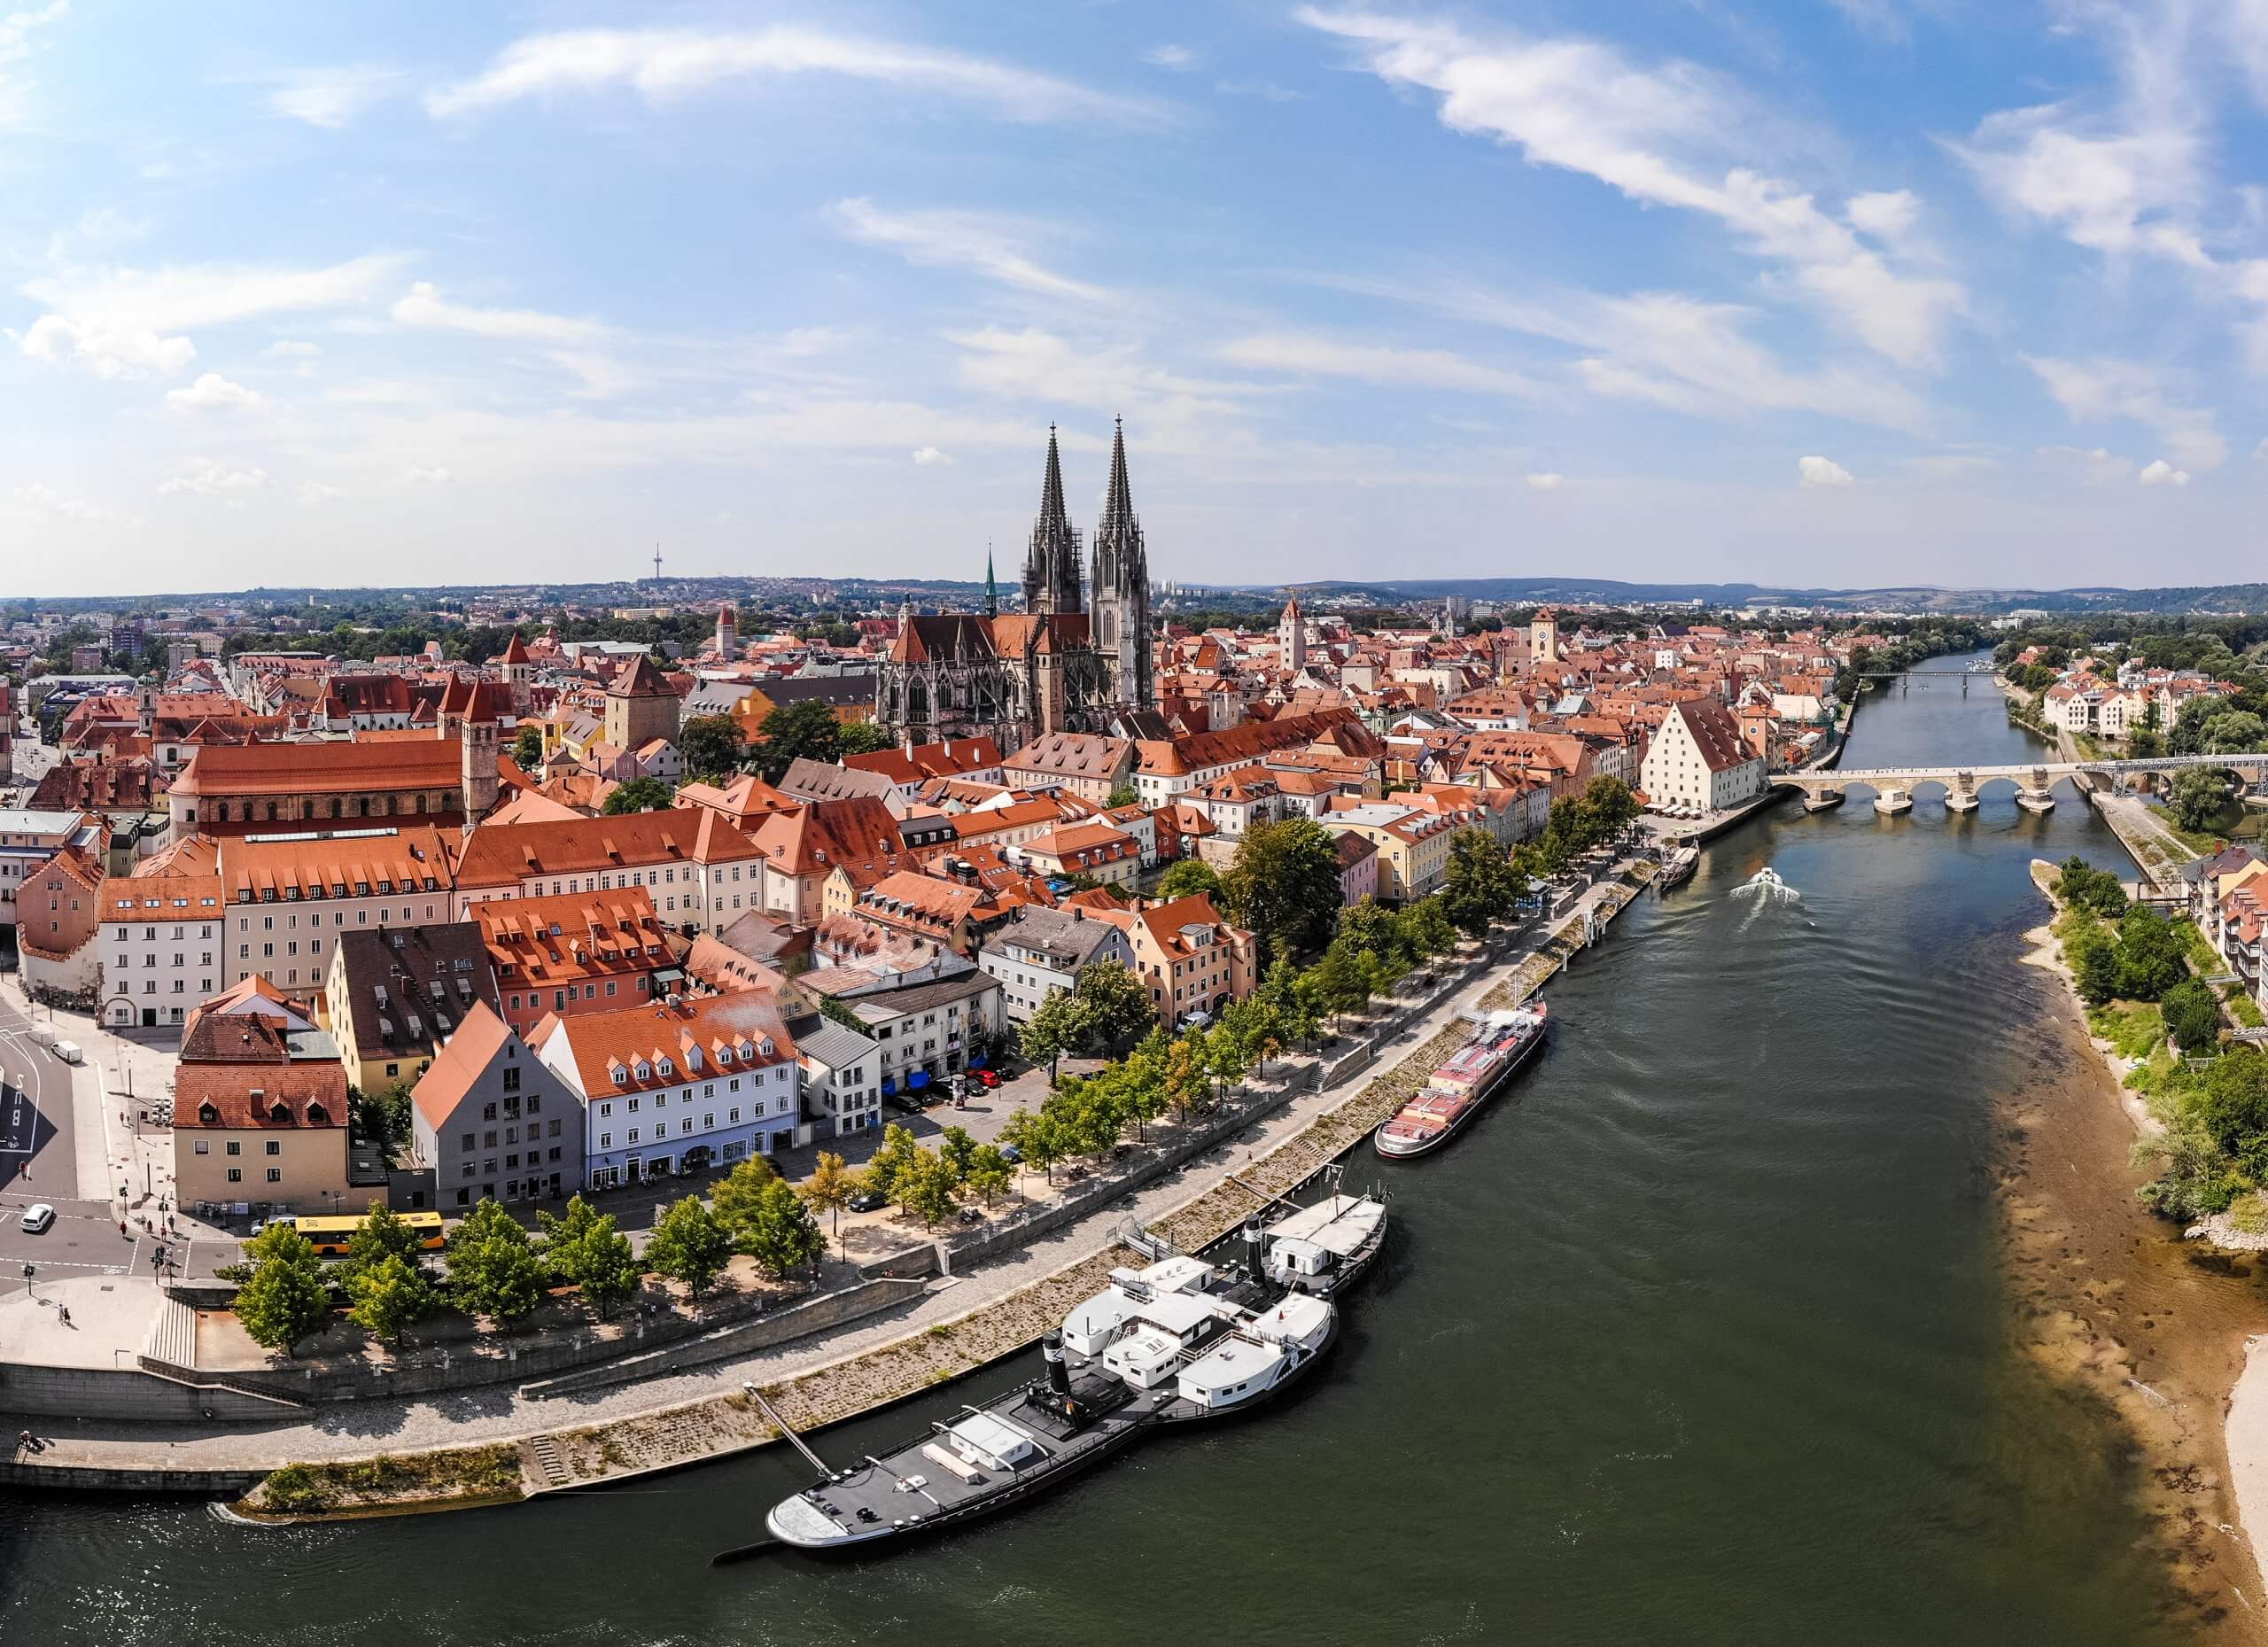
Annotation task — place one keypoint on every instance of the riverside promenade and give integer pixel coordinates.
(955, 1326)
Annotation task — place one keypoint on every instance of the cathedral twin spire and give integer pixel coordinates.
(1052, 569)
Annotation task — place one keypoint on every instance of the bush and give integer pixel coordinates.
(2192, 1015)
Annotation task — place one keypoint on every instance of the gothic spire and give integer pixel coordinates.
(1118, 504)
(1051, 581)
(991, 587)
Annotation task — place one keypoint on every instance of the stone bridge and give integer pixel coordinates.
(2034, 783)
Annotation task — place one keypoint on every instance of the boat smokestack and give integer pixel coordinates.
(1059, 1371)
(1255, 1241)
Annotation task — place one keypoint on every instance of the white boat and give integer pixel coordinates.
(1324, 1249)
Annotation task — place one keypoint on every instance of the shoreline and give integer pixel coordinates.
(2158, 1327)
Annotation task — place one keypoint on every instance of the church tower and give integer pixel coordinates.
(1121, 586)
(1292, 637)
(1051, 565)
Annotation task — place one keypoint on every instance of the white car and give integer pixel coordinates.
(37, 1217)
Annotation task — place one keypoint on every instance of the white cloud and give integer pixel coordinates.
(1266, 91)
(957, 240)
(329, 97)
(1044, 367)
(425, 307)
(213, 392)
(16, 29)
(2107, 189)
(292, 349)
(419, 476)
(1668, 136)
(2161, 473)
(1820, 471)
(1889, 217)
(127, 323)
(2092, 391)
(319, 492)
(930, 457)
(48, 502)
(2092, 466)
(1545, 482)
(206, 478)
(663, 63)
(1371, 363)
(1176, 57)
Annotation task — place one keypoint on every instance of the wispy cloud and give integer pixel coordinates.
(127, 323)
(986, 245)
(1670, 134)
(422, 306)
(663, 63)
(330, 98)
(205, 477)
(1371, 363)
(213, 392)
(2092, 391)
(1821, 471)
(2161, 473)
(17, 29)
(1176, 57)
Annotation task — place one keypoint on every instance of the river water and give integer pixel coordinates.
(1705, 1336)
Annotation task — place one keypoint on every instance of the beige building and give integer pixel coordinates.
(1413, 845)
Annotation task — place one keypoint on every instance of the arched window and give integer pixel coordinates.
(917, 702)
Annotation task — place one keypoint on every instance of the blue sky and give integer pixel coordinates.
(1836, 291)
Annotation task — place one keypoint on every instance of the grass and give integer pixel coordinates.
(2162, 1082)
(2134, 1028)
(2200, 952)
(313, 1489)
(2243, 1008)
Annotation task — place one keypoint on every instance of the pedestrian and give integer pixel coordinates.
(24, 1441)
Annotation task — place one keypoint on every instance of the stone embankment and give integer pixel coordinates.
(715, 1426)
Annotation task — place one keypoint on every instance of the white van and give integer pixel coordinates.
(45, 1033)
(69, 1053)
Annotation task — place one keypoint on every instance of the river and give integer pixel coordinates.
(1710, 1334)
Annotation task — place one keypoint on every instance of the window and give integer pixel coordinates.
(275, 1147)
(236, 1148)
(511, 1080)
(205, 1146)
(276, 1175)
(235, 1175)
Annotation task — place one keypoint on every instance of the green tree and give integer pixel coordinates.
(2095, 968)
(895, 1157)
(390, 1295)
(690, 1245)
(585, 1250)
(1187, 877)
(2197, 796)
(639, 795)
(778, 1231)
(1053, 1028)
(958, 1149)
(713, 746)
(2234, 732)
(1342, 983)
(286, 1297)
(739, 1193)
(989, 1172)
(1125, 795)
(383, 1235)
(1113, 1006)
(927, 1188)
(829, 1188)
(2150, 955)
(2145, 743)
(1037, 1137)
(1480, 885)
(804, 731)
(494, 1270)
(1284, 885)
(863, 737)
(527, 747)
(2193, 1015)
(1185, 1074)
(2232, 1107)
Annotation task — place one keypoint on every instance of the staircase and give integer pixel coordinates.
(547, 1463)
(172, 1338)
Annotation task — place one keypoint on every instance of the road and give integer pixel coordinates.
(39, 1162)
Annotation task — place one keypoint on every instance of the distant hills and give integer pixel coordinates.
(2217, 599)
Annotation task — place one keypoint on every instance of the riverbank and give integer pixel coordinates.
(2113, 1303)
(959, 1327)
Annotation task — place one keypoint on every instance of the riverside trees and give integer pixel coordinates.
(286, 1296)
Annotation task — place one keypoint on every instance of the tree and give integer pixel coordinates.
(390, 1295)
(1185, 1077)
(285, 1297)
(2150, 955)
(1187, 877)
(494, 1270)
(711, 744)
(958, 1149)
(1051, 1030)
(2095, 968)
(1481, 886)
(842, 1012)
(383, 1235)
(689, 1245)
(2233, 732)
(896, 1155)
(2233, 1106)
(804, 731)
(829, 1188)
(527, 747)
(778, 1231)
(584, 1248)
(1283, 884)
(1114, 1006)
(927, 1188)
(740, 1194)
(1037, 1137)
(865, 737)
(1125, 795)
(2079, 882)
(639, 795)
(1426, 929)
(989, 1172)
(2196, 797)
(2145, 744)
(2193, 1015)
(1341, 982)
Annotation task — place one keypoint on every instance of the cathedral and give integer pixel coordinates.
(1077, 658)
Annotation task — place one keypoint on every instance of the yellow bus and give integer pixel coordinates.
(330, 1236)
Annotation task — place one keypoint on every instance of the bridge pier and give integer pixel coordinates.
(1822, 800)
(1890, 802)
(1961, 793)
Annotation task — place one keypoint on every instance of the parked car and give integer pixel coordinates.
(990, 1077)
(1010, 1154)
(37, 1217)
(868, 1201)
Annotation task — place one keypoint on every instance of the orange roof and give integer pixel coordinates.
(461, 1061)
(508, 854)
(219, 769)
(574, 935)
(355, 863)
(816, 838)
(673, 1041)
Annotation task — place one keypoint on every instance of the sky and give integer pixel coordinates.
(1832, 293)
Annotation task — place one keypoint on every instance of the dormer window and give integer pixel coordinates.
(645, 1070)
(668, 1068)
(748, 1050)
(764, 1046)
(621, 1076)
(317, 1116)
(279, 1112)
(208, 1115)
